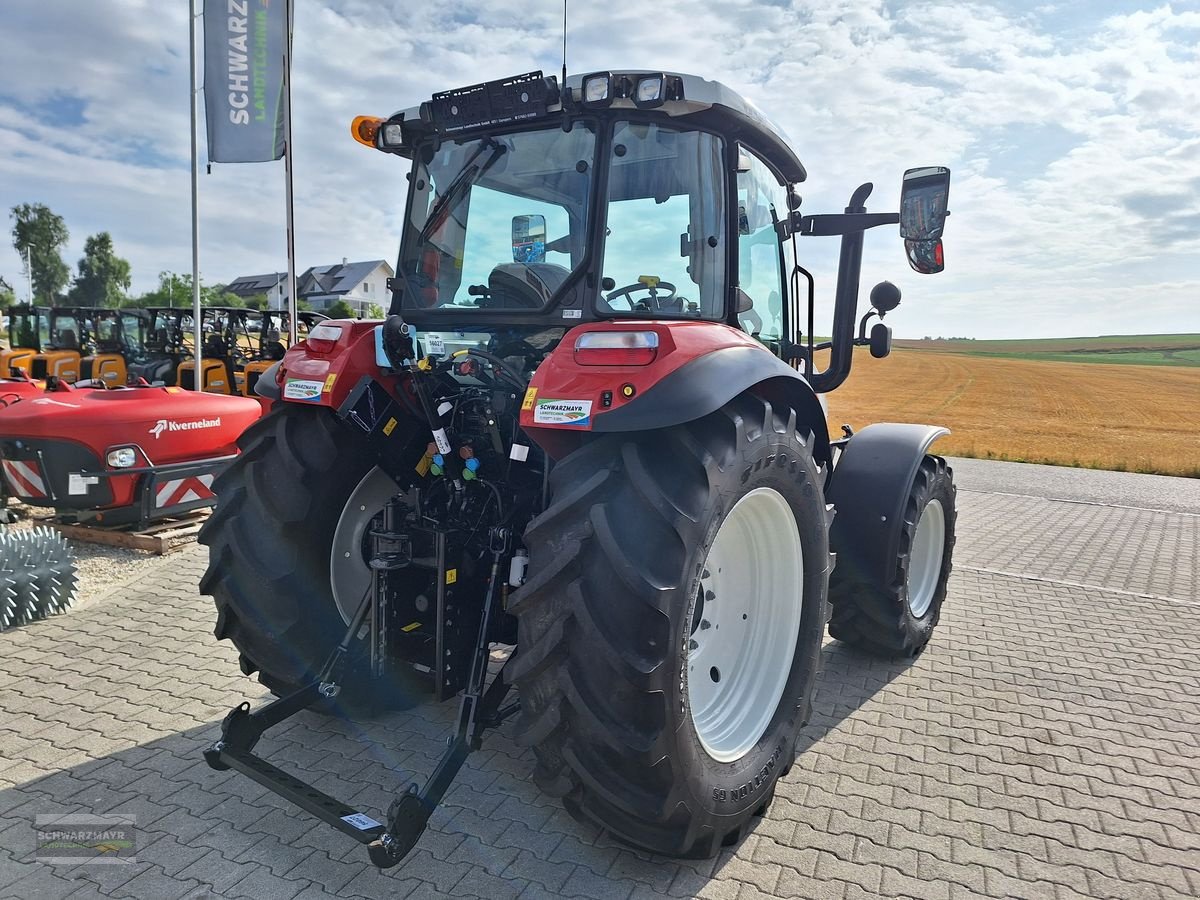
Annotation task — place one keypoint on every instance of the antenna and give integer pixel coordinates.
(564, 77)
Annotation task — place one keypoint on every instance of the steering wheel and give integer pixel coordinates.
(656, 300)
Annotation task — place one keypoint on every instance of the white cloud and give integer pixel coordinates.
(1073, 138)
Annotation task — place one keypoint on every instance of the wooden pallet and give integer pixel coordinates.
(159, 538)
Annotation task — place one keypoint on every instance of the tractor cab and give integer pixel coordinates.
(270, 330)
(117, 339)
(63, 349)
(228, 341)
(166, 345)
(28, 330)
(630, 196)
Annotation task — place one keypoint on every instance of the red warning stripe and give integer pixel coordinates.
(24, 477)
(183, 490)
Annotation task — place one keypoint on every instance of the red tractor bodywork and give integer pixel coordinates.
(577, 390)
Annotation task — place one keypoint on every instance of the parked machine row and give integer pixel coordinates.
(112, 347)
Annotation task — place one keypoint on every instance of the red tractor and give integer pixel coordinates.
(591, 427)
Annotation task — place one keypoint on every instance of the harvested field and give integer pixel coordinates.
(1127, 349)
(1122, 417)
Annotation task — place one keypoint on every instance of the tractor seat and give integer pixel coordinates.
(524, 285)
(274, 351)
(67, 339)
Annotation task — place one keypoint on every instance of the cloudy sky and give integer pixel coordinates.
(1072, 129)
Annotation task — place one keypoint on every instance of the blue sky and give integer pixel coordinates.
(1072, 128)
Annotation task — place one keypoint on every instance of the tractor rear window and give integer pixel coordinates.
(497, 222)
(664, 253)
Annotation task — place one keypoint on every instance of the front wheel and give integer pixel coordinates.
(897, 618)
(670, 628)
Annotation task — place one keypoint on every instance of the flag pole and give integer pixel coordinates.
(293, 303)
(198, 379)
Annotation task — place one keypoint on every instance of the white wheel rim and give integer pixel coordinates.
(746, 624)
(925, 560)
(349, 575)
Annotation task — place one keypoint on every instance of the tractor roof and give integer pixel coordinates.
(702, 103)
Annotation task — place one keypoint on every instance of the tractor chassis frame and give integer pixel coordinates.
(480, 709)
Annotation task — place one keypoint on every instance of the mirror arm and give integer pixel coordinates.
(841, 223)
(862, 326)
(845, 308)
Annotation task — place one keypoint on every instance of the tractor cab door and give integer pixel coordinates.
(761, 287)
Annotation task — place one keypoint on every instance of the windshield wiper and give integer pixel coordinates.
(459, 186)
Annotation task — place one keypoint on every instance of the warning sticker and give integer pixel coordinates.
(530, 396)
(329, 382)
(563, 412)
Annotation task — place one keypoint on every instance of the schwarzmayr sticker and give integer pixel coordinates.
(303, 389)
(563, 412)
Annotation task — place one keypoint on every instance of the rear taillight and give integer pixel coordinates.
(324, 337)
(616, 348)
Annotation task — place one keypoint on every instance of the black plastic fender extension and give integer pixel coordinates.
(869, 487)
(707, 383)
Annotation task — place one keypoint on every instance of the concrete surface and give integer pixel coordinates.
(1046, 745)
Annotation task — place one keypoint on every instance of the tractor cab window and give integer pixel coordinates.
(664, 251)
(107, 333)
(65, 333)
(467, 240)
(23, 328)
(762, 201)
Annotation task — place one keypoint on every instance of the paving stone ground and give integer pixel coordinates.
(1047, 745)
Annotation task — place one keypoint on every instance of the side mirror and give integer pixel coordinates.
(881, 340)
(923, 203)
(529, 239)
(925, 257)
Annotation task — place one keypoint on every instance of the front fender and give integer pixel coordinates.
(869, 487)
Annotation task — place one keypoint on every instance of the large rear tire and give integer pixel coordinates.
(640, 716)
(898, 618)
(296, 485)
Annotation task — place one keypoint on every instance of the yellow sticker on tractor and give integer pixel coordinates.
(530, 397)
(423, 465)
(329, 383)
(411, 626)
(451, 576)
(389, 427)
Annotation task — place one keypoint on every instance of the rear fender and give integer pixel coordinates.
(326, 378)
(869, 488)
(699, 367)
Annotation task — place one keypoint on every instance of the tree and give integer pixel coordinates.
(7, 295)
(256, 301)
(103, 276)
(340, 309)
(374, 311)
(43, 234)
